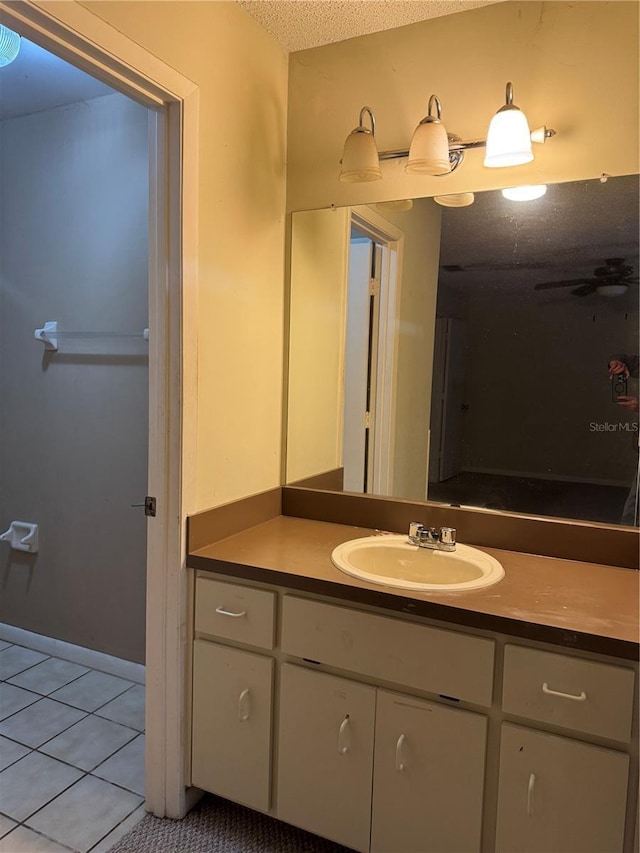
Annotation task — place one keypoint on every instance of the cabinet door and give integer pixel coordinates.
(429, 777)
(557, 794)
(231, 738)
(325, 755)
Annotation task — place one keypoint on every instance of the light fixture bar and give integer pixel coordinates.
(460, 145)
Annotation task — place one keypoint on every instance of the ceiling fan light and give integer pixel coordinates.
(611, 289)
(527, 192)
(9, 45)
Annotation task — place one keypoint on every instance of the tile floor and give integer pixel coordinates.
(71, 755)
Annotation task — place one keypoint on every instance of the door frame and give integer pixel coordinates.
(86, 41)
(391, 238)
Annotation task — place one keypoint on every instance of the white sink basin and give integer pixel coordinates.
(393, 561)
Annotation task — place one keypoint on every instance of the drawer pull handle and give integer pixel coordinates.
(532, 782)
(343, 736)
(244, 706)
(399, 764)
(580, 697)
(224, 612)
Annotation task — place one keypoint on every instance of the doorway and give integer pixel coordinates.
(74, 172)
(372, 298)
(77, 35)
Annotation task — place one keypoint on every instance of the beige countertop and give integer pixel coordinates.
(573, 604)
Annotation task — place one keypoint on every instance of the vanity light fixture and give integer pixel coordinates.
(525, 192)
(508, 143)
(455, 199)
(509, 137)
(360, 161)
(9, 45)
(429, 149)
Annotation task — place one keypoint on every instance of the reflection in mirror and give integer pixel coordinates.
(461, 355)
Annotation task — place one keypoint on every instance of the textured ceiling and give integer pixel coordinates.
(300, 24)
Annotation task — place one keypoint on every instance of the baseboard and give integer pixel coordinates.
(538, 475)
(76, 654)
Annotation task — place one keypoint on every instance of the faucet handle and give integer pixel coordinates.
(448, 535)
(415, 531)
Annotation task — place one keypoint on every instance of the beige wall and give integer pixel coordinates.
(574, 67)
(242, 77)
(319, 268)
(73, 455)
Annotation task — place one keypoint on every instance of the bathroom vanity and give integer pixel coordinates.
(500, 719)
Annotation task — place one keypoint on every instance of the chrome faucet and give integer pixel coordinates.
(443, 539)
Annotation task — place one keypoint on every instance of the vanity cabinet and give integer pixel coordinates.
(426, 761)
(395, 735)
(558, 795)
(325, 755)
(428, 779)
(232, 696)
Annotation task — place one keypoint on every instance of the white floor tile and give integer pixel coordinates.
(10, 752)
(16, 658)
(23, 840)
(4, 645)
(66, 818)
(89, 742)
(126, 767)
(14, 699)
(49, 675)
(31, 782)
(40, 722)
(7, 824)
(119, 832)
(92, 690)
(128, 708)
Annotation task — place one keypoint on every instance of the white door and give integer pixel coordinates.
(429, 777)
(325, 755)
(558, 794)
(356, 365)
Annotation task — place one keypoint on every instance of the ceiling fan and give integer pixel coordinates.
(612, 279)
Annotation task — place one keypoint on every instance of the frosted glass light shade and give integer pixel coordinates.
(508, 139)
(360, 160)
(527, 192)
(429, 151)
(455, 199)
(9, 45)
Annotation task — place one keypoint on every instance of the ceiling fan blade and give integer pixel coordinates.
(584, 290)
(571, 282)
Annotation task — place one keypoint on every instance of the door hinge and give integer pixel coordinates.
(367, 420)
(373, 287)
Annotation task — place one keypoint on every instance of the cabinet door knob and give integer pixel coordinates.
(532, 782)
(223, 612)
(244, 706)
(399, 763)
(575, 697)
(343, 736)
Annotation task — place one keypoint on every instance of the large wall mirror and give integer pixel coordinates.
(460, 354)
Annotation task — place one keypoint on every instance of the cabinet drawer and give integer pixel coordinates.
(235, 612)
(432, 659)
(578, 694)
